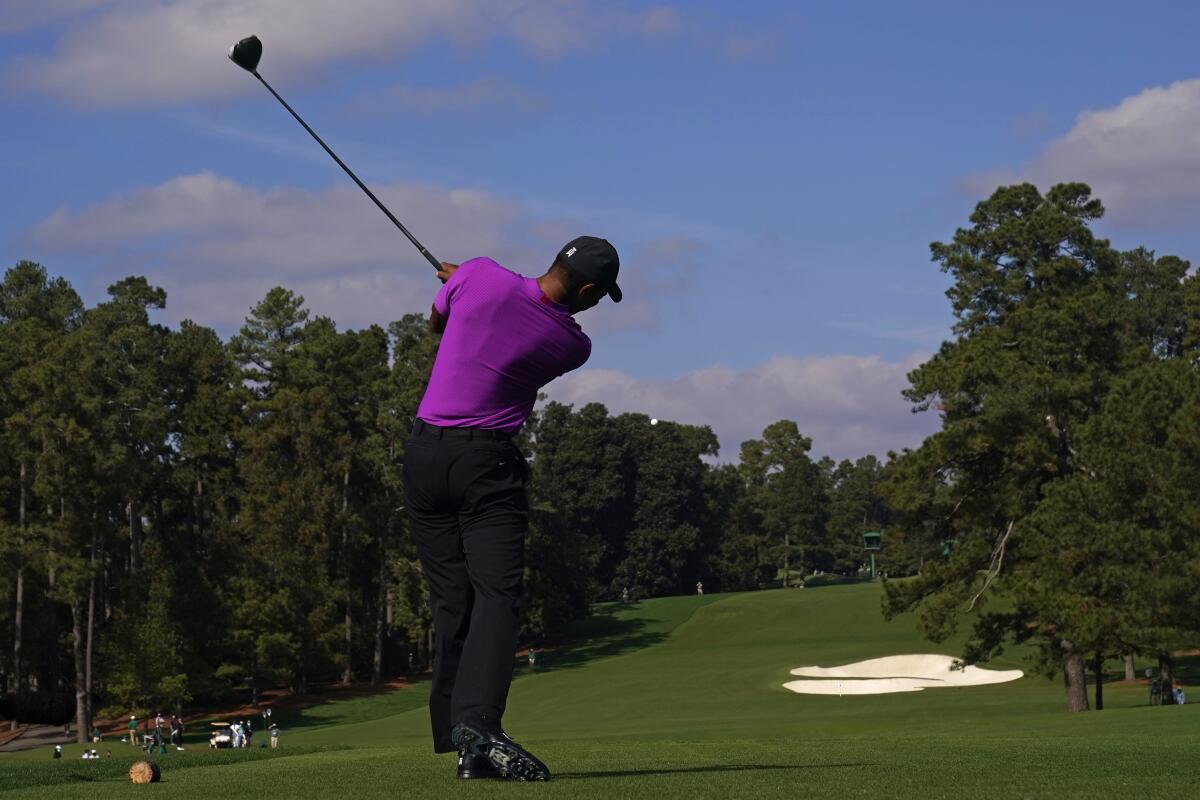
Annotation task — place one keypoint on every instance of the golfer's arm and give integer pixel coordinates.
(437, 323)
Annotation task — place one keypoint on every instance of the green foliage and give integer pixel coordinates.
(1113, 548)
(1049, 317)
(785, 504)
(617, 504)
(232, 514)
(142, 655)
(229, 516)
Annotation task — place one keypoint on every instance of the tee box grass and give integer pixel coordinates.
(682, 697)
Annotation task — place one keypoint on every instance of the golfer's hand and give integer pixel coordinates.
(446, 271)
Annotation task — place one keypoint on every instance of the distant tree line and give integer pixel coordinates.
(183, 518)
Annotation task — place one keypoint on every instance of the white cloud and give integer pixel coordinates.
(1141, 157)
(217, 246)
(173, 50)
(21, 14)
(849, 405)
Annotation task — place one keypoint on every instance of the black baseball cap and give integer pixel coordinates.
(595, 261)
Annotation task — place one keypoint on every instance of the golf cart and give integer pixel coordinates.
(221, 736)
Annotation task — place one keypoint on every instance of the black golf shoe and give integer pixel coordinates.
(509, 759)
(473, 767)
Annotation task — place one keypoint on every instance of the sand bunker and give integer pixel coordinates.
(895, 674)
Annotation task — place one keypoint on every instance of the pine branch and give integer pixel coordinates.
(994, 567)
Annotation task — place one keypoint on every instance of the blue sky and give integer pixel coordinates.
(771, 172)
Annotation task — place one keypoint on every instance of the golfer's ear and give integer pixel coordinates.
(592, 293)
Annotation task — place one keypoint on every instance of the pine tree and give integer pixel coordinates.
(1048, 316)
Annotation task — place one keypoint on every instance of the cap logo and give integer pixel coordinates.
(570, 252)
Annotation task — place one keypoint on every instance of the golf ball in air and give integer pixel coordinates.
(653, 422)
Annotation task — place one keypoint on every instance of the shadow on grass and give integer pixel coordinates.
(1186, 668)
(631, 773)
(328, 706)
(600, 635)
(360, 707)
(820, 581)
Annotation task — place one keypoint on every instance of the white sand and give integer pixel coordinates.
(895, 674)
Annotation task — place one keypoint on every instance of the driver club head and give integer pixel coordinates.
(246, 53)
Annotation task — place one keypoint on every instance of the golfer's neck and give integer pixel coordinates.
(553, 288)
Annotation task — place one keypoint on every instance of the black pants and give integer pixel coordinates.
(468, 513)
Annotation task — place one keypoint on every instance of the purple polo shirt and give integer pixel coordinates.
(504, 341)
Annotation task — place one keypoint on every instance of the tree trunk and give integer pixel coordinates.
(1166, 676)
(135, 539)
(786, 546)
(348, 669)
(53, 670)
(158, 516)
(380, 612)
(198, 507)
(1130, 675)
(108, 586)
(1098, 671)
(1074, 676)
(52, 572)
(19, 609)
(91, 634)
(81, 699)
(424, 647)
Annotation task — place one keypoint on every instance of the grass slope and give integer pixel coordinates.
(683, 697)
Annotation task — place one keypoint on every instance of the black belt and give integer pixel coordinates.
(423, 428)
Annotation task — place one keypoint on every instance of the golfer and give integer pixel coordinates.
(504, 338)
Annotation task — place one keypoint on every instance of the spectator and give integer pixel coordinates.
(58, 751)
(177, 732)
(247, 732)
(699, 587)
(274, 736)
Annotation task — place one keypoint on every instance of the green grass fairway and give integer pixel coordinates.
(683, 697)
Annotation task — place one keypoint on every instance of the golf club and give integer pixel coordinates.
(246, 54)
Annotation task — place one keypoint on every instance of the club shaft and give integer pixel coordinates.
(428, 256)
